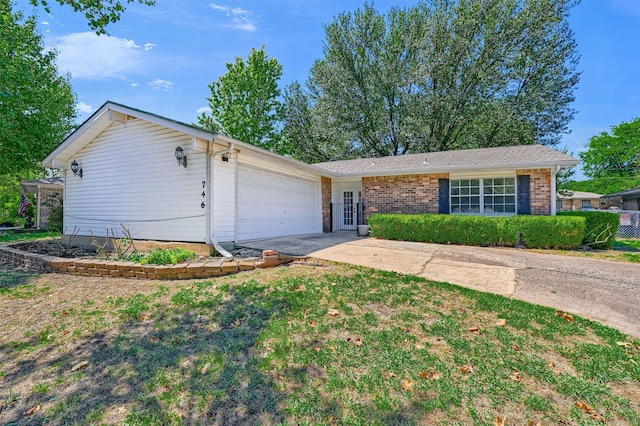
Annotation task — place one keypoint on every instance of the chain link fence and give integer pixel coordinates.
(629, 224)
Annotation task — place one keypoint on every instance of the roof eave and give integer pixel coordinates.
(420, 171)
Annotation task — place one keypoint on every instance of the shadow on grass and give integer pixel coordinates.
(184, 366)
(13, 278)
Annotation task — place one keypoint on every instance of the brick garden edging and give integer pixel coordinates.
(90, 267)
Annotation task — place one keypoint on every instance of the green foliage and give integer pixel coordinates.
(606, 185)
(532, 231)
(550, 232)
(601, 228)
(56, 212)
(98, 13)
(436, 76)
(162, 256)
(36, 103)
(244, 102)
(615, 154)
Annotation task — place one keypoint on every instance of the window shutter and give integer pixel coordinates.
(524, 194)
(443, 196)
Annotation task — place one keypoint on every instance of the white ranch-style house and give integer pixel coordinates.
(169, 181)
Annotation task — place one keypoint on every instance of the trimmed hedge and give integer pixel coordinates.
(531, 231)
(601, 228)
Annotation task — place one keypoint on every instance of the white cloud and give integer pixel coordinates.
(84, 108)
(44, 23)
(87, 55)
(159, 84)
(149, 46)
(206, 110)
(135, 84)
(241, 19)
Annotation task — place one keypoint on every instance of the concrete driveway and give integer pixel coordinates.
(601, 290)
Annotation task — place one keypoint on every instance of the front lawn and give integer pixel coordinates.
(12, 236)
(309, 344)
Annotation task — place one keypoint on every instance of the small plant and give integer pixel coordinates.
(162, 256)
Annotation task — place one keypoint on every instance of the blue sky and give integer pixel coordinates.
(162, 58)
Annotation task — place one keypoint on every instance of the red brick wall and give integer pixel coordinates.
(409, 194)
(540, 190)
(326, 204)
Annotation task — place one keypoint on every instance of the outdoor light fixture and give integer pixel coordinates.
(181, 156)
(225, 157)
(75, 168)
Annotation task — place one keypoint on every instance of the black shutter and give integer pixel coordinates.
(524, 194)
(443, 196)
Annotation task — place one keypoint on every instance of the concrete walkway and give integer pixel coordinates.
(601, 290)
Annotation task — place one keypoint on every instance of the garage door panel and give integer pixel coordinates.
(271, 205)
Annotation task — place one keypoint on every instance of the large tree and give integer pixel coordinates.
(98, 13)
(37, 105)
(245, 101)
(614, 154)
(447, 74)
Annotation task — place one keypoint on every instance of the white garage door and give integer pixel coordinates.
(273, 205)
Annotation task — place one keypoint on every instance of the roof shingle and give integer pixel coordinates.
(498, 157)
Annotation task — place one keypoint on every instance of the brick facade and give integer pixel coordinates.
(409, 194)
(540, 190)
(326, 204)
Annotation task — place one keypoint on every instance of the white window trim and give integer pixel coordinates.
(481, 195)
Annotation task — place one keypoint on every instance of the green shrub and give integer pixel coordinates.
(162, 256)
(550, 232)
(601, 228)
(532, 231)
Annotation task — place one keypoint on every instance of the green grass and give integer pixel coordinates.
(629, 243)
(317, 345)
(10, 237)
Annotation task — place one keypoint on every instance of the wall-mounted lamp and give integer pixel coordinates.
(225, 157)
(75, 168)
(181, 156)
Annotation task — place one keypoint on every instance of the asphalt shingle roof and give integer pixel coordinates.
(512, 156)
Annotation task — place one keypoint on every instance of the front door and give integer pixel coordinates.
(351, 203)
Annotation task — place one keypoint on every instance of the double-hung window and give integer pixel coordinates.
(483, 196)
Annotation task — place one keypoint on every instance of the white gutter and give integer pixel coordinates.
(554, 172)
(211, 239)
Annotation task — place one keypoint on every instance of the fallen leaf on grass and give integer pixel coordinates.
(430, 375)
(406, 384)
(500, 421)
(516, 376)
(79, 366)
(332, 348)
(312, 323)
(358, 342)
(333, 312)
(501, 322)
(467, 369)
(531, 423)
(143, 318)
(474, 330)
(516, 348)
(205, 369)
(590, 411)
(33, 410)
(565, 316)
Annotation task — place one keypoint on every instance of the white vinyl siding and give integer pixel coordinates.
(483, 196)
(224, 197)
(131, 177)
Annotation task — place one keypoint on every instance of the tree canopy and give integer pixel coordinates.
(98, 13)
(444, 74)
(614, 154)
(37, 105)
(245, 101)
(612, 160)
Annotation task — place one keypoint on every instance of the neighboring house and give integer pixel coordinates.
(49, 195)
(579, 200)
(127, 175)
(629, 200)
